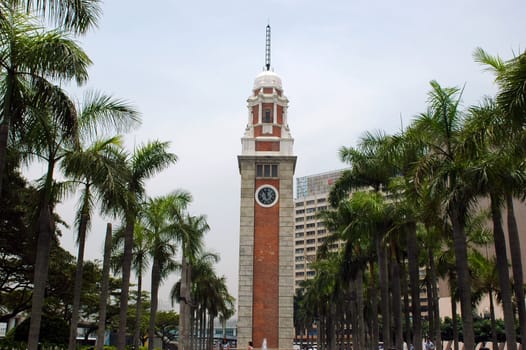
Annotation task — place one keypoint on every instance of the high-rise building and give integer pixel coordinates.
(266, 165)
(312, 193)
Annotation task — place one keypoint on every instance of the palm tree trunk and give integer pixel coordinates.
(83, 226)
(156, 278)
(397, 298)
(503, 270)
(5, 120)
(414, 282)
(202, 330)
(407, 318)
(516, 264)
(103, 302)
(40, 276)
(347, 325)
(210, 333)
(46, 228)
(457, 215)
(125, 289)
(455, 322)
(331, 327)
(138, 312)
(192, 330)
(435, 297)
(493, 322)
(384, 291)
(358, 328)
(375, 328)
(184, 334)
(430, 311)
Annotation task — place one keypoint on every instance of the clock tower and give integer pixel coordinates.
(266, 165)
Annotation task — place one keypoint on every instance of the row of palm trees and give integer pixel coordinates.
(40, 121)
(413, 200)
(162, 226)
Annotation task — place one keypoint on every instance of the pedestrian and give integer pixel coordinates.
(225, 345)
(429, 344)
(250, 345)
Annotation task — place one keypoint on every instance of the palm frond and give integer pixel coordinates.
(101, 114)
(76, 15)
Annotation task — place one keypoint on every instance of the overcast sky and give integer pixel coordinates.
(346, 66)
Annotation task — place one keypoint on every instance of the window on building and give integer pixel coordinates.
(300, 219)
(266, 170)
(300, 204)
(311, 225)
(300, 258)
(299, 227)
(311, 233)
(311, 249)
(300, 266)
(311, 210)
(311, 241)
(299, 234)
(311, 217)
(300, 211)
(299, 274)
(311, 273)
(299, 242)
(321, 200)
(299, 251)
(310, 202)
(267, 116)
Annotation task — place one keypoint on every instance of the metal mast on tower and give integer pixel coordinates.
(267, 48)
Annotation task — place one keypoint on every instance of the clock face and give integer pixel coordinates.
(266, 195)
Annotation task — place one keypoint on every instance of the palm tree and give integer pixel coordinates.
(98, 168)
(510, 77)
(496, 171)
(99, 345)
(156, 220)
(210, 295)
(413, 205)
(29, 56)
(446, 166)
(486, 280)
(99, 153)
(47, 139)
(140, 264)
(141, 165)
(357, 221)
(190, 231)
(370, 167)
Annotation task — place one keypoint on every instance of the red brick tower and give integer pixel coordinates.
(266, 165)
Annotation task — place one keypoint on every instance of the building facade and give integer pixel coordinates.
(312, 194)
(266, 166)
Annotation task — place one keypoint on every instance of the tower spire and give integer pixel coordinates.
(267, 48)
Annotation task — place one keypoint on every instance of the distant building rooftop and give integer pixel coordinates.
(318, 184)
